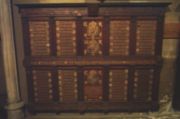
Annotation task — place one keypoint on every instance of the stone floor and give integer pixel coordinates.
(165, 112)
(156, 115)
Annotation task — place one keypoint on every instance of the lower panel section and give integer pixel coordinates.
(98, 88)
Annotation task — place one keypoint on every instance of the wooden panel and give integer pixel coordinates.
(92, 37)
(39, 38)
(93, 79)
(89, 57)
(146, 37)
(118, 85)
(66, 38)
(143, 83)
(119, 37)
(42, 86)
(67, 85)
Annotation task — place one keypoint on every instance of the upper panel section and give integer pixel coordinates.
(100, 30)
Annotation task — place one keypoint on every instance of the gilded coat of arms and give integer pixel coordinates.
(93, 38)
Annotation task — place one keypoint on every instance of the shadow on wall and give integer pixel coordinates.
(176, 96)
(2, 113)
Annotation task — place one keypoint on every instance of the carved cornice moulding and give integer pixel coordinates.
(131, 1)
(47, 1)
(87, 1)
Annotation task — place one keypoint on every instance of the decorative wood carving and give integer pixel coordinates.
(93, 85)
(93, 38)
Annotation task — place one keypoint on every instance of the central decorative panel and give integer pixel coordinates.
(92, 37)
(93, 88)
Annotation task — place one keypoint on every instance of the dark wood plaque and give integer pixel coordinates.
(66, 38)
(119, 37)
(42, 86)
(67, 85)
(118, 85)
(146, 37)
(143, 81)
(39, 38)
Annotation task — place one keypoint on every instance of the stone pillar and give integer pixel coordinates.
(14, 103)
(170, 52)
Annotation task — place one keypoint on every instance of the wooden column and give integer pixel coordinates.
(14, 103)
